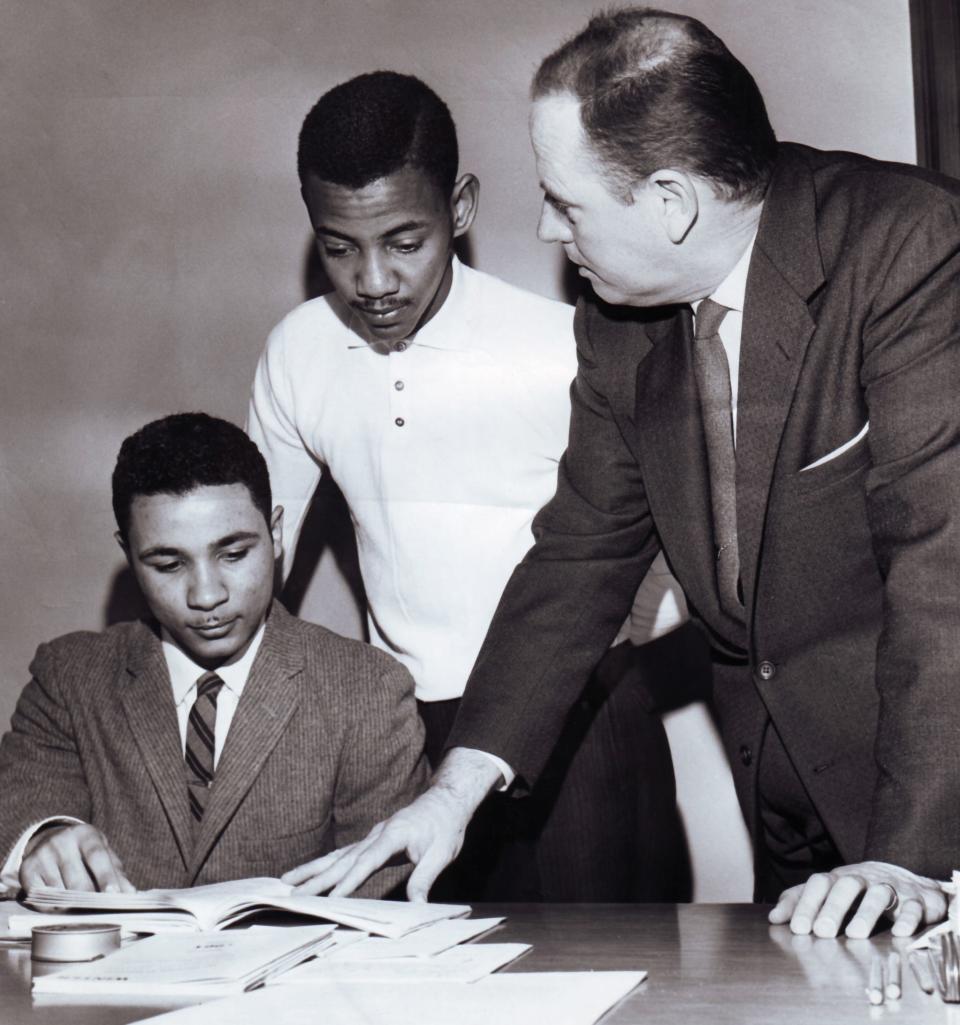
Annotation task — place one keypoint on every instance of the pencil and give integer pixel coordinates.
(894, 987)
(874, 988)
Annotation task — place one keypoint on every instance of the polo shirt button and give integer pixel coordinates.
(399, 421)
(398, 385)
(746, 755)
(400, 346)
(767, 670)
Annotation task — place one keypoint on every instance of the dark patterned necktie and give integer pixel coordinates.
(201, 727)
(713, 384)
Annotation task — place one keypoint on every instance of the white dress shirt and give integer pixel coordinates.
(183, 673)
(444, 452)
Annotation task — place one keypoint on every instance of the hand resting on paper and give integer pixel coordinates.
(821, 904)
(76, 856)
(429, 832)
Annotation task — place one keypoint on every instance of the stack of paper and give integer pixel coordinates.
(214, 964)
(517, 998)
(221, 904)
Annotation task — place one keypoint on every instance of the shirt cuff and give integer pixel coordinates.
(508, 774)
(10, 873)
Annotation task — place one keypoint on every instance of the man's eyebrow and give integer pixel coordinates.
(235, 538)
(406, 226)
(322, 229)
(158, 550)
(169, 552)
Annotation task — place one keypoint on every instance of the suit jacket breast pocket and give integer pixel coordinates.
(831, 473)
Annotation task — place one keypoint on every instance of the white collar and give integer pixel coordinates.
(184, 672)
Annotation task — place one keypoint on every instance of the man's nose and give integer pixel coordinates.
(375, 277)
(207, 589)
(551, 226)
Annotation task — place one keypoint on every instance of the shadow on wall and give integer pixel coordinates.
(327, 525)
(124, 600)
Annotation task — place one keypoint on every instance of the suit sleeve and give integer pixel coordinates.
(272, 425)
(384, 767)
(41, 775)
(568, 598)
(911, 377)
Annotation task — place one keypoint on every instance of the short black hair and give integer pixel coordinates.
(182, 452)
(375, 124)
(659, 89)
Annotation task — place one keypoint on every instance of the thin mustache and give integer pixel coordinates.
(379, 309)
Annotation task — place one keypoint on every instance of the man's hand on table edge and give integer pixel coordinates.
(429, 831)
(821, 904)
(76, 856)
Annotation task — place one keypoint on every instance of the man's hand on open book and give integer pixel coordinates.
(77, 857)
(429, 832)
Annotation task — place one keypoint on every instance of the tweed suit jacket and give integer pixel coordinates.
(325, 742)
(850, 568)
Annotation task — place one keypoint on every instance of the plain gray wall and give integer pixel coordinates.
(153, 233)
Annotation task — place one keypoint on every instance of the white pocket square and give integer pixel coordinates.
(862, 433)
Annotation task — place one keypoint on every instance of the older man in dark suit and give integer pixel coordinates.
(767, 388)
(225, 740)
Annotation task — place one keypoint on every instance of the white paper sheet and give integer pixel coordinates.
(516, 998)
(198, 964)
(425, 942)
(469, 963)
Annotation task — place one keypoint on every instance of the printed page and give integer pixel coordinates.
(460, 964)
(209, 904)
(391, 918)
(515, 998)
(425, 942)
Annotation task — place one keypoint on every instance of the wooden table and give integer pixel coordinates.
(707, 963)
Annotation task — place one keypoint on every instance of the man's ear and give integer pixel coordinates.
(276, 531)
(463, 203)
(123, 544)
(674, 194)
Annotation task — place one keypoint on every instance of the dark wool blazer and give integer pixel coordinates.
(325, 742)
(850, 569)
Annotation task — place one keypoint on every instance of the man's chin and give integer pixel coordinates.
(614, 297)
(211, 652)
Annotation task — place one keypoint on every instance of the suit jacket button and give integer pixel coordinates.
(767, 670)
(746, 755)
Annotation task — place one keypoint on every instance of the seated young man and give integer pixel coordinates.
(226, 739)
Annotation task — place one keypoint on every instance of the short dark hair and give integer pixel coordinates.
(182, 452)
(659, 89)
(376, 124)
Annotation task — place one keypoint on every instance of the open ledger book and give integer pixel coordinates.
(219, 905)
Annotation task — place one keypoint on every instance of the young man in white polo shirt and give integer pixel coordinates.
(437, 398)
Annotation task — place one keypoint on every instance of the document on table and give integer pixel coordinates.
(425, 942)
(516, 998)
(202, 964)
(469, 963)
(218, 905)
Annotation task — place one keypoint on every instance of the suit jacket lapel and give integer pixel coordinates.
(269, 699)
(148, 705)
(785, 270)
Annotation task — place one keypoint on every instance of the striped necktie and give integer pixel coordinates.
(712, 372)
(201, 727)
